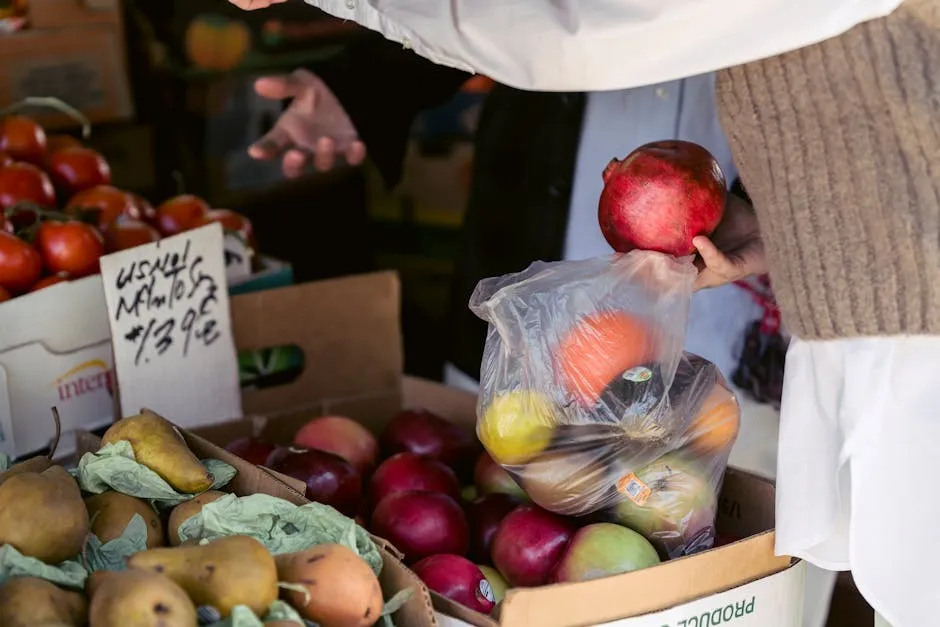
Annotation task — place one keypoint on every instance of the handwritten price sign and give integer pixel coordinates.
(171, 328)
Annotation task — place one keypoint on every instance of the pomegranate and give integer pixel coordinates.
(660, 197)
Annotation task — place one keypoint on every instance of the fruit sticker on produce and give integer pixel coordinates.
(171, 328)
(634, 488)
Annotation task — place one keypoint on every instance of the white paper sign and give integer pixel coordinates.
(171, 328)
(237, 258)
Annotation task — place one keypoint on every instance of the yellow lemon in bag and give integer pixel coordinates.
(517, 426)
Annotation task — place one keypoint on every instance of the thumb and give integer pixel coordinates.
(714, 259)
(279, 87)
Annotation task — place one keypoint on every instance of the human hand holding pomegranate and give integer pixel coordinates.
(734, 251)
(314, 128)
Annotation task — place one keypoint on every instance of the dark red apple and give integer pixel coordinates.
(424, 433)
(458, 579)
(528, 545)
(341, 436)
(490, 478)
(421, 524)
(407, 471)
(251, 450)
(660, 197)
(484, 515)
(330, 479)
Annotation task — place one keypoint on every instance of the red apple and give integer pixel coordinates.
(407, 471)
(251, 450)
(528, 545)
(330, 479)
(421, 523)
(604, 549)
(424, 433)
(341, 436)
(458, 579)
(660, 197)
(675, 505)
(484, 515)
(491, 478)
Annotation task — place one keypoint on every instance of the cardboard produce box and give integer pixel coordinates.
(55, 350)
(348, 331)
(78, 56)
(416, 612)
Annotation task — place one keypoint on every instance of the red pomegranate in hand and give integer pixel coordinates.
(660, 197)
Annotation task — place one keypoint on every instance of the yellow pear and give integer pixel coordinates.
(34, 602)
(138, 598)
(341, 588)
(237, 570)
(110, 512)
(160, 448)
(186, 510)
(42, 515)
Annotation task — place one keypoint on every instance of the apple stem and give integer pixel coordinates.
(609, 169)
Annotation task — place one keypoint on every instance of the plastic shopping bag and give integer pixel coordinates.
(588, 400)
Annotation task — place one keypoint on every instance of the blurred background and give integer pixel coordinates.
(167, 85)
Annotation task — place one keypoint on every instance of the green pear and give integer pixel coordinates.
(42, 515)
(34, 602)
(138, 598)
(160, 448)
(236, 570)
(110, 512)
(186, 510)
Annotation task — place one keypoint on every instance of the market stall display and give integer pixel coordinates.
(61, 211)
(127, 538)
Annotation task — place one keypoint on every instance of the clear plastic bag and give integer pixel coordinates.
(588, 400)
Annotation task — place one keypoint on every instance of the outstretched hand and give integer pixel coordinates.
(734, 251)
(315, 128)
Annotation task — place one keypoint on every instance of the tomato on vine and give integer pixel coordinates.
(104, 204)
(72, 248)
(76, 169)
(127, 232)
(20, 264)
(24, 182)
(180, 213)
(55, 143)
(22, 139)
(48, 281)
(231, 221)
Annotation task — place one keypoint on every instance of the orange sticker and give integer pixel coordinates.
(636, 490)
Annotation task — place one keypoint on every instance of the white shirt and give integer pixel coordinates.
(592, 45)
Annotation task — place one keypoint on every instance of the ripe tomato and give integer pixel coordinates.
(22, 138)
(76, 169)
(4, 295)
(25, 182)
(6, 226)
(55, 143)
(49, 280)
(106, 203)
(231, 221)
(126, 232)
(180, 213)
(147, 213)
(20, 264)
(71, 248)
(5, 159)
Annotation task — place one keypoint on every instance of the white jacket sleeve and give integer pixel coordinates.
(595, 45)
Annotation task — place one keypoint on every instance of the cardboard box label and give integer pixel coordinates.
(774, 601)
(168, 308)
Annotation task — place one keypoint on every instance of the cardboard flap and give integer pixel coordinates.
(348, 330)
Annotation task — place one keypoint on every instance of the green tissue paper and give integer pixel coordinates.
(70, 574)
(113, 555)
(280, 525)
(114, 467)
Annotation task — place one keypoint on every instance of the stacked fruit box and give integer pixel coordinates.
(132, 537)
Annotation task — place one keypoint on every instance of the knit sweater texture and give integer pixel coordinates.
(838, 145)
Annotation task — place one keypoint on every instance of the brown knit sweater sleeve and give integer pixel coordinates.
(838, 145)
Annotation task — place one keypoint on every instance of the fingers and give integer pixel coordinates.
(272, 144)
(715, 268)
(295, 162)
(252, 5)
(356, 153)
(284, 86)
